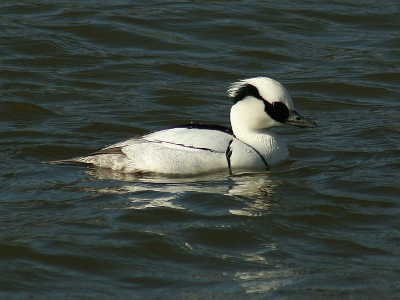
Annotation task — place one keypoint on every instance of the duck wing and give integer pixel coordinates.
(212, 138)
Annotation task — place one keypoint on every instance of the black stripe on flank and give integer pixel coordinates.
(262, 158)
(185, 146)
(228, 155)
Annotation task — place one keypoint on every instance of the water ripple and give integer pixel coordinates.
(76, 76)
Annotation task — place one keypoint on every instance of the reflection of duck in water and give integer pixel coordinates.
(253, 190)
(259, 104)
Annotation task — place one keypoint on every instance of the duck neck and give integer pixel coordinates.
(267, 144)
(258, 139)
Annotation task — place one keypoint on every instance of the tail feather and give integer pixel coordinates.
(70, 162)
(89, 160)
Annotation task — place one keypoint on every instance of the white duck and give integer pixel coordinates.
(259, 104)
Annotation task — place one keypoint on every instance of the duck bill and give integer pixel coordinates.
(296, 120)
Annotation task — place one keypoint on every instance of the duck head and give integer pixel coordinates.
(261, 103)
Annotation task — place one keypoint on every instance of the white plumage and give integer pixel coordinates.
(259, 104)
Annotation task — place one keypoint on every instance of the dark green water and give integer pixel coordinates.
(78, 75)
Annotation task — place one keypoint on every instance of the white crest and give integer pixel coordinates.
(269, 89)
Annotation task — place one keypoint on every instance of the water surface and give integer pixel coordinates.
(76, 76)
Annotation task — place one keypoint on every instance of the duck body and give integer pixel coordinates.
(188, 150)
(194, 149)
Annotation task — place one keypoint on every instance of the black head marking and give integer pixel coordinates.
(277, 111)
(247, 90)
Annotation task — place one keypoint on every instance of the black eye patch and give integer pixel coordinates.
(277, 111)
